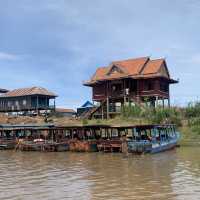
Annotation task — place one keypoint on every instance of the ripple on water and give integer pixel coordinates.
(33, 175)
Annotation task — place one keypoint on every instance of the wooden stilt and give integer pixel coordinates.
(156, 101)
(54, 105)
(163, 103)
(169, 103)
(107, 107)
(102, 113)
(37, 106)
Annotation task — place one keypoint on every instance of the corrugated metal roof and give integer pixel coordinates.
(28, 92)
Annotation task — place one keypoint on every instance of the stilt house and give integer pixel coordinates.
(138, 81)
(34, 99)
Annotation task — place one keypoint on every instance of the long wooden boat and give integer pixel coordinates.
(153, 139)
(89, 138)
(47, 146)
(6, 144)
(83, 145)
(110, 145)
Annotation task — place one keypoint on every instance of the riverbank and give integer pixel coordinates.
(186, 119)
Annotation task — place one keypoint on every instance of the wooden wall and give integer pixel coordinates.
(137, 88)
(23, 103)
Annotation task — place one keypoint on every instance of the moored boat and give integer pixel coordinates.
(153, 139)
(7, 144)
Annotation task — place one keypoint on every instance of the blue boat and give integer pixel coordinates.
(153, 139)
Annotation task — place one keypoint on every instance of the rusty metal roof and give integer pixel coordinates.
(28, 92)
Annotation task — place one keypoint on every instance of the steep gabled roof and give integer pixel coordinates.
(132, 68)
(28, 92)
(155, 67)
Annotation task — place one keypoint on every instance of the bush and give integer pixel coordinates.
(157, 115)
(166, 115)
(192, 110)
(85, 121)
(131, 111)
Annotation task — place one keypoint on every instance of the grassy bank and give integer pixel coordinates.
(186, 119)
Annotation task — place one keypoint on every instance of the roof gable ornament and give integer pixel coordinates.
(115, 69)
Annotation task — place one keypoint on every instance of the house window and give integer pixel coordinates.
(116, 87)
(164, 87)
(149, 85)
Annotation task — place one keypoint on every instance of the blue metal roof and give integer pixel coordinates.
(87, 104)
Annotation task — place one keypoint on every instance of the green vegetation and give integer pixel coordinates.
(187, 119)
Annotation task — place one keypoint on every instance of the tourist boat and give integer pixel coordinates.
(89, 138)
(83, 145)
(110, 139)
(152, 138)
(82, 138)
(41, 145)
(6, 144)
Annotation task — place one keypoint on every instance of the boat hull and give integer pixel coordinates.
(82, 146)
(148, 147)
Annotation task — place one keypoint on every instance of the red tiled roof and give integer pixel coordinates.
(152, 67)
(65, 110)
(28, 92)
(134, 68)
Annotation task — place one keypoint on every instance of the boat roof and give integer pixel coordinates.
(143, 126)
(25, 126)
(53, 126)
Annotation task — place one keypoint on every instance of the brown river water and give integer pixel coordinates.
(40, 176)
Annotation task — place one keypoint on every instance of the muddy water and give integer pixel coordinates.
(170, 175)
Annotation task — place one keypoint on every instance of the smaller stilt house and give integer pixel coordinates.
(139, 80)
(87, 106)
(34, 99)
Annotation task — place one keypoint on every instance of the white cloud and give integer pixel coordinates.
(8, 56)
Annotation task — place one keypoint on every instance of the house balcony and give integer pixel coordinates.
(119, 94)
(150, 93)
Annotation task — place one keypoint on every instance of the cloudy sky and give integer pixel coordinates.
(58, 44)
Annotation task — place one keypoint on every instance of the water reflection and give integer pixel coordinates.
(170, 175)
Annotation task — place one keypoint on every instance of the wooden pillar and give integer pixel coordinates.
(169, 102)
(46, 106)
(163, 103)
(54, 104)
(107, 100)
(124, 91)
(107, 107)
(37, 106)
(156, 101)
(124, 100)
(102, 113)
